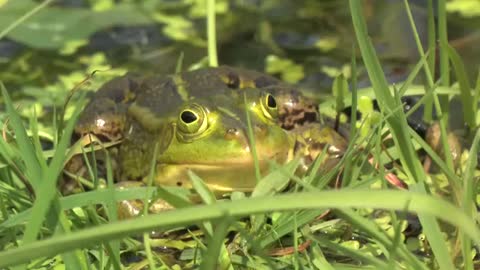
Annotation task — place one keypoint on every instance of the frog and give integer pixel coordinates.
(197, 121)
(203, 129)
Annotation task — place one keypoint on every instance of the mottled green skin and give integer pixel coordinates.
(144, 114)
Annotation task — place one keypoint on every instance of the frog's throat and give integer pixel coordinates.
(219, 178)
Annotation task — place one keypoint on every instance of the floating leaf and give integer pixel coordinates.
(41, 31)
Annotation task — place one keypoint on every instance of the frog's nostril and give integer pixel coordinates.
(231, 133)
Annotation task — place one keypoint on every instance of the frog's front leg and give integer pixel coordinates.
(312, 139)
(134, 208)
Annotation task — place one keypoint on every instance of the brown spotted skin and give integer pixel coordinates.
(294, 109)
(105, 115)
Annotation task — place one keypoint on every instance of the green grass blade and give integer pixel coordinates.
(150, 180)
(412, 75)
(216, 256)
(24, 17)
(329, 103)
(439, 102)
(435, 157)
(47, 192)
(207, 196)
(428, 72)
(27, 151)
(465, 90)
(469, 198)
(476, 93)
(251, 139)
(443, 38)
(81, 200)
(351, 253)
(76, 259)
(201, 188)
(179, 66)
(354, 92)
(211, 34)
(432, 44)
(33, 123)
(385, 199)
(444, 63)
(319, 258)
(113, 247)
(373, 230)
(277, 180)
(284, 226)
(340, 89)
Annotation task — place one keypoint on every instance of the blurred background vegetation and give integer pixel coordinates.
(304, 42)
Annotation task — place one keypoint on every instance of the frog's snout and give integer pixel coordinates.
(259, 131)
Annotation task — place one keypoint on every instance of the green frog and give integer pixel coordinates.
(197, 121)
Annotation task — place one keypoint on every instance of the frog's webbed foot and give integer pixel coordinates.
(134, 208)
(312, 139)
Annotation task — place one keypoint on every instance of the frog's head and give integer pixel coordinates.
(210, 137)
(104, 116)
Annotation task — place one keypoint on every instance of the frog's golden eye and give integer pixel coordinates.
(269, 106)
(192, 119)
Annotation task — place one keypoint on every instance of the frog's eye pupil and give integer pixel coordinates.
(271, 102)
(188, 117)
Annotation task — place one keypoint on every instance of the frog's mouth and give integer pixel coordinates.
(226, 176)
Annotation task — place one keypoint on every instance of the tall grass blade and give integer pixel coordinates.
(399, 129)
(469, 198)
(439, 102)
(465, 90)
(444, 63)
(217, 256)
(47, 192)
(432, 44)
(211, 34)
(27, 150)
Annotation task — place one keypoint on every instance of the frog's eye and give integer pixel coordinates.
(192, 120)
(271, 102)
(188, 117)
(269, 106)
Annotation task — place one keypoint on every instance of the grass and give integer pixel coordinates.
(366, 220)
(396, 200)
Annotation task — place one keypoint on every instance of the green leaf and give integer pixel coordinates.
(69, 25)
(201, 188)
(276, 181)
